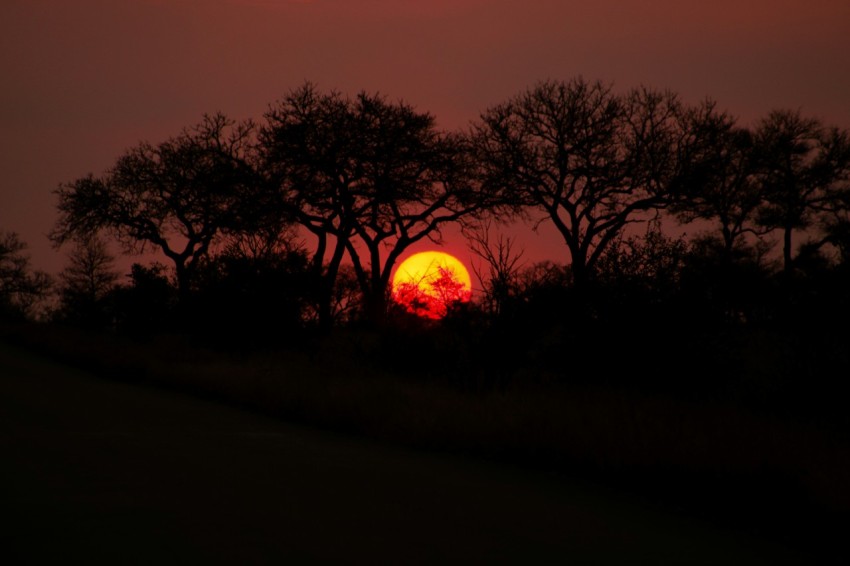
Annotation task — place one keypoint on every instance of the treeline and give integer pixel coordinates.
(717, 360)
(225, 204)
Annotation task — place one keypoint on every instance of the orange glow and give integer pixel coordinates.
(429, 283)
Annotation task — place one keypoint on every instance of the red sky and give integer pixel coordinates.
(82, 80)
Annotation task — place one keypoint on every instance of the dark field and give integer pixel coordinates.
(163, 452)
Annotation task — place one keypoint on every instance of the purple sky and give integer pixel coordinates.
(82, 80)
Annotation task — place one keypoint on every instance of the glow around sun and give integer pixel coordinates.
(429, 283)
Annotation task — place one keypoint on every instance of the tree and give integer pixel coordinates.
(177, 196)
(500, 283)
(87, 281)
(307, 148)
(346, 300)
(651, 264)
(836, 226)
(720, 181)
(20, 286)
(804, 170)
(590, 160)
(373, 176)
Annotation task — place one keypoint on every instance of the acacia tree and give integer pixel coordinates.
(804, 171)
(590, 160)
(177, 196)
(719, 181)
(416, 180)
(373, 176)
(308, 157)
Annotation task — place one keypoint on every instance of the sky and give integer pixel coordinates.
(84, 80)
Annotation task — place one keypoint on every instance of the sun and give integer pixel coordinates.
(429, 283)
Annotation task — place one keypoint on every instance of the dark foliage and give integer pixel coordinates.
(147, 306)
(21, 287)
(253, 302)
(86, 285)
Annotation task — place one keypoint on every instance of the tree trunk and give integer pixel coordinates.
(786, 250)
(327, 281)
(182, 274)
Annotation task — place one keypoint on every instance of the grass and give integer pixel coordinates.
(713, 457)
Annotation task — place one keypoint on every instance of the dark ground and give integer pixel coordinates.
(102, 472)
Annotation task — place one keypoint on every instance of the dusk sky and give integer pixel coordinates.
(83, 80)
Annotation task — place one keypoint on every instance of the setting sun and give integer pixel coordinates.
(428, 283)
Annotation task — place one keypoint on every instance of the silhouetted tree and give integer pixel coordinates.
(836, 226)
(544, 289)
(177, 196)
(720, 182)
(264, 241)
(650, 264)
(21, 287)
(373, 176)
(308, 146)
(590, 160)
(804, 168)
(347, 298)
(500, 282)
(87, 282)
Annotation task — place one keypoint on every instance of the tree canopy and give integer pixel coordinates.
(589, 159)
(368, 178)
(372, 175)
(177, 196)
(804, 171)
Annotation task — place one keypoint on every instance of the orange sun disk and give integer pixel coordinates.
(429, 283)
